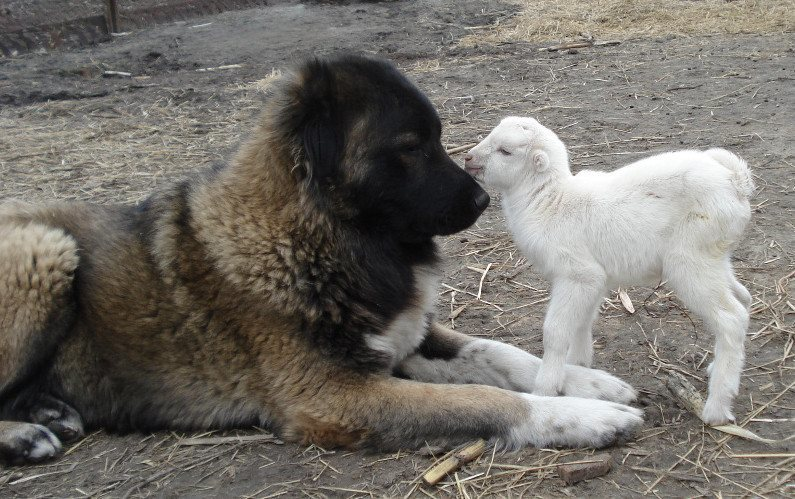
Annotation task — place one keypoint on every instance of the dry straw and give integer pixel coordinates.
(541, 20)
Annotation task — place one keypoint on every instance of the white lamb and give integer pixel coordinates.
(673, 217)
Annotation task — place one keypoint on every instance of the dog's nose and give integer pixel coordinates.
(482, 200)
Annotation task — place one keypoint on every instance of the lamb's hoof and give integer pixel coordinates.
(59, 417)
(596, 384)
(716, 415)
(24, 443)
(579, 359)
(548, 387)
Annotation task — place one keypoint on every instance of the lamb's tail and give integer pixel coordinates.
(741, 174)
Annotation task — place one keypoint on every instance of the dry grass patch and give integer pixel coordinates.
(542, 20)
(119, 151)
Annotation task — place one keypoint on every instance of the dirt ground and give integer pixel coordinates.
(67, 131)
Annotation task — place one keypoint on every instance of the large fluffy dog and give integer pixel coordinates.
(291, 288)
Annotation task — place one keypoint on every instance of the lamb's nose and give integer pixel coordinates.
(467, 158)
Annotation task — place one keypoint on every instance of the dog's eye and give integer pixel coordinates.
(411, 148)
(504, 151)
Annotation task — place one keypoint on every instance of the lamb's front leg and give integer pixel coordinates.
(572, 307)
(581, 347)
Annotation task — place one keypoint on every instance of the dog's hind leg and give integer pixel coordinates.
(37, 265)
(447, 356)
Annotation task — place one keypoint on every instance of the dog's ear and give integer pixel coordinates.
(318, 125)
(305, 115)
(540, 160)
(321, 148)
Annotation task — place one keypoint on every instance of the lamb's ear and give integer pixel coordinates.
(540, 160)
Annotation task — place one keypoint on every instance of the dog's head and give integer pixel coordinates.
(366, 143)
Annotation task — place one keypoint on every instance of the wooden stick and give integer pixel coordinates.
(219, 68)
(686, 394)
(454, 462)
(462, 148)
(772, 455)
(566, 46)
(229, 440)
(113, 16)
(577, 45)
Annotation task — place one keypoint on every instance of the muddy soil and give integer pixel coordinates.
(69, 129)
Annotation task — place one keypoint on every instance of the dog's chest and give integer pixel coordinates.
(407, 330)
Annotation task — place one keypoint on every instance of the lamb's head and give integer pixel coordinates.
(517, 149)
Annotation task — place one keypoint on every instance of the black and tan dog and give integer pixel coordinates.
(291, 288)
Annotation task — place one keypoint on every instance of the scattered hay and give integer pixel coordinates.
(624, 19)
(110, 151)
(427, 65)
(262, 85)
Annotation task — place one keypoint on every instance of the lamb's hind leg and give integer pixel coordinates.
(740, 291)
(706, 289)
(37, 264)
(571, 311)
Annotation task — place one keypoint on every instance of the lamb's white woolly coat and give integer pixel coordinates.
(672, 217)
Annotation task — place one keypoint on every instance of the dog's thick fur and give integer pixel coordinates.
(291, 288)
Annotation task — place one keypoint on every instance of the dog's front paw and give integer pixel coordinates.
(575, 422)
(596, 384)
(23, 443)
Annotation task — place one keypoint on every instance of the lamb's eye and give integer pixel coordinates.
(504, 151)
